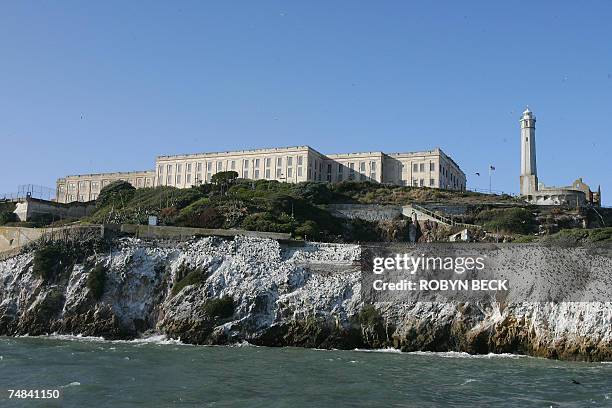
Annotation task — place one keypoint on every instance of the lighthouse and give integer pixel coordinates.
(529, 172)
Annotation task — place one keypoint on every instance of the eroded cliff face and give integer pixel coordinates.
(282, 296)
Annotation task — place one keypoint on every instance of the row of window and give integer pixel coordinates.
(80, 197)
(95, 186)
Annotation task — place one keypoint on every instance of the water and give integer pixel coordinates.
(157, 373)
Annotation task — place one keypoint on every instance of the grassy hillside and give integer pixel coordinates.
(253, 205)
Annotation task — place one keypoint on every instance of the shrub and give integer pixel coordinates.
(207, 218)
(187, 277)
(267, 221)
(7, 216)
(510, 220)
(117, 193)
(219, 307)
(50, 260)
(308, 229)
(601, 235)
(369, 316)
(96, 280)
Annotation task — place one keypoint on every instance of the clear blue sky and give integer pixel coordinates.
(108, 85)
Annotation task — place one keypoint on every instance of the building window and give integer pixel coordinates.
(198, 167)
(169, 169)
(279, 161)
(95, 185)
(299, 172)
(245, 164)
(81, 185)
(362, 167)
(209, 166)
(94, 196)
(268, 174)
(415, 168)
(421, 183)
(432, 166)
(290, 172)
(179, 167)
(245, 173)
(421, 167)
(432, 182)
(300, 160)
(289, 161)
(148, 182)
(256, 162)
(169, 180)
(373, 166)
(219, 166)
(139, 182)
(178, 178)
(82, 197)
(188, 167)
(256, 175)
(268, 161)
(279, 173)
(188, 179)
(373, 175)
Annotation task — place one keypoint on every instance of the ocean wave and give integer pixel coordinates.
(72, 384)
(161, 339)
(385, 350)
(461, 354)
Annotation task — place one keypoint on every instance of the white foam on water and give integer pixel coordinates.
(469, 380)
(154, 339)
(385, 350)
(461, 354)
(72, 384)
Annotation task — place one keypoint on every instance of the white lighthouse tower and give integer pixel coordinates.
(529, 172)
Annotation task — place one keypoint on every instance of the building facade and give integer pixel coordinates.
(302, 163)
(578, 194)
(296, 164)
(86, 187)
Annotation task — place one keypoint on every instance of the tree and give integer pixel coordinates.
(224, 178)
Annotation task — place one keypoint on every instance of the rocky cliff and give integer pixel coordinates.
(215, 291)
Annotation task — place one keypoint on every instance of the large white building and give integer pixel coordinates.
(431, 168)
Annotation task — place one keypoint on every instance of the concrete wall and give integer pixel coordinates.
(31, 208)
(369, 212)
(164, 232)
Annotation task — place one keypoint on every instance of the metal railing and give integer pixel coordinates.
(446, 220)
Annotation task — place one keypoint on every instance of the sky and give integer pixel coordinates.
(108, 86)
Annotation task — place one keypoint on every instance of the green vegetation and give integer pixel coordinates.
(508, 220)
(53, 258)
(50, 260)
(580, 236)
(6, 213)
(224, 178)
(219, 307)
(96, 280)
(369, 316)
(187, 277)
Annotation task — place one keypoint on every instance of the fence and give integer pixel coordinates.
(29, 190)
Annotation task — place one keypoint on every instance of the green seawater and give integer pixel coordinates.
(157, 373)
